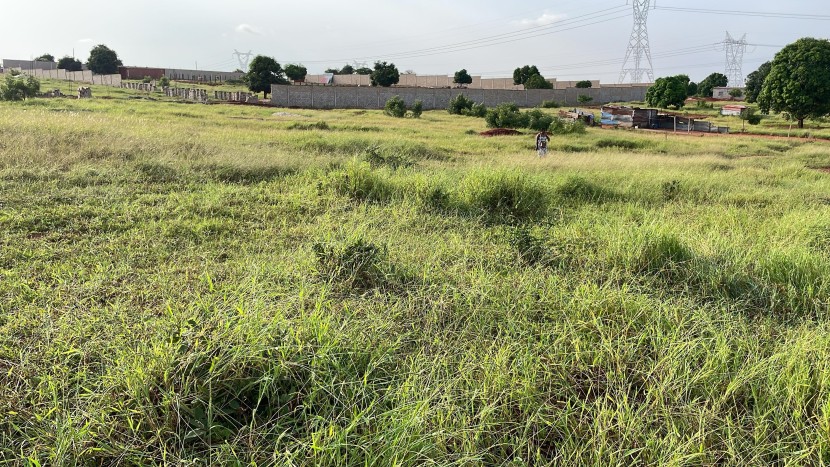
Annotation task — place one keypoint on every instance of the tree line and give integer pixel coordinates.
(102, 61)
(796, 82)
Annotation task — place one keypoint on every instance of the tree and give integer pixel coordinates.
(296, 73)
(691, 89)
(18, 87)
(70, 64)
(262, 73)
(103, 60)
(667, 92)
(799, 81)
(385, 74)
(736, 93)
(164, 82)
(346, 70)
(363, 71)
(45, 58)
(715, 80)
(584, 84)
(755, 81)
(521, 75)
(462, 77)
(584, 99)
(395, 107)
(538, 81)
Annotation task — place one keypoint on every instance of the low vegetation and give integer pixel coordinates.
(243, 285)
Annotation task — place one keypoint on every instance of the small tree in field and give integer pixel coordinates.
(262, 73)
(585, 84)
(462, 77)
(164, 82)
(45, 58)
(755, 81)
(523, 74)
(385, 74)
(583, 99)
(103, 60)
(715, 80)
(296, 73)
(19, 87)
(538, 82)
(395, 107)
(667, 92)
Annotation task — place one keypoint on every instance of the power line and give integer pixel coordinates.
(639, 50)
(498, 39)
(746, 13)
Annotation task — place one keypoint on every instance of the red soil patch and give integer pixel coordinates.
(500, 132)
(823, 169)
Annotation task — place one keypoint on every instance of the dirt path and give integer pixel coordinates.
(733, 135)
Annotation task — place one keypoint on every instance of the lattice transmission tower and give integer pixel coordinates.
(638, 56)
(244, 59)
(735, 50)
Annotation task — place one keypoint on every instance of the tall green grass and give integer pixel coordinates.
(250, 287)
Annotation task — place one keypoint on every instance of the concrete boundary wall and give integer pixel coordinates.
(332, 97)
(77, 76)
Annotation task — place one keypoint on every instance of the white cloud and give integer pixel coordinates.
(248, 29)
(85, 41)
(545, 19)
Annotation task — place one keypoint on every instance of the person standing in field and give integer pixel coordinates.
(542, 140)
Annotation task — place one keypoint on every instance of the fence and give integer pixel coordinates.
(235, 96)
(147, 87)
(200, 95)
(333, 97)
(76, 76)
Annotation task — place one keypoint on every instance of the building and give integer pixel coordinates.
(733, 110)
(9, 63)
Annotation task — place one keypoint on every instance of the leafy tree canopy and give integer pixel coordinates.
(538, 81)
(755, 81)
(295, 72)
(45, 58)
(521, 75)
(18, 87)
(715, 80)
(385, 74)
(668, 92)
(799, 81)
(262, 73)
(462, 77)
(363, 71)
(691, 89)
(70, 64)
(584, 84)
(103, 60)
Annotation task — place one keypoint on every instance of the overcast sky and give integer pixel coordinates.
(574, 39)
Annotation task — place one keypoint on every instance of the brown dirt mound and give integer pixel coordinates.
(500, 132)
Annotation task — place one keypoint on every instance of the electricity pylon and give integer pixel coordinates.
(244, 59)
(735, 50)
(638, 56)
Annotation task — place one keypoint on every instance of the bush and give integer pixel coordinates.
(459, 104)
(561, 126)
(164, 82)
(395, 107)
(538, 120)
(477, 110)
(147, 80)
(417, 109)
(18, 87)
(506, 116)
(550, 105)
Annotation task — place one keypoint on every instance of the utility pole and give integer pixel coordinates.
(244, 59)
(638, 56)
(735, 50)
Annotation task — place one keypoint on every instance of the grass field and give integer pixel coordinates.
(230, 285)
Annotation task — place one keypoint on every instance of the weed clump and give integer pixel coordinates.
(608, 143)
(376, 157)
(360, 183)
(356, 265)
(670, 190)
(505, 197)
(579, 189)
(321, 125)
(530, 248)
(157, 172)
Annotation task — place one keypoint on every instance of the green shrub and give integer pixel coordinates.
(377, 158)
(18, 87)
(477, 110)
(417, 109)
(395, 107)
(550, 105)
(147, 80)
(321, 125)
(459, 104)
(671, 190)
(619, 144)
(506, 116)
(560, 126)
(538, 120)
(360, 183)
(164, 82)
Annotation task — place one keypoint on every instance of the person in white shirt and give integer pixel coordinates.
(542, 140)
